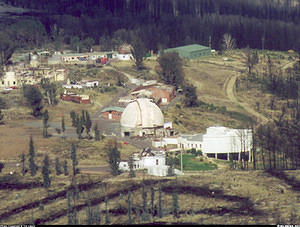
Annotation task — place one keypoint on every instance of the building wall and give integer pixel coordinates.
(158, 93)
(9, 80)
(76, 99)
(142, 131)
(125, 57)
(224, 140)
(115, 115)
(191, 53)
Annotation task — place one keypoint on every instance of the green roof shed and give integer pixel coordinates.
(190, 51)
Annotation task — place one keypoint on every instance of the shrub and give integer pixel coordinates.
(1, 166)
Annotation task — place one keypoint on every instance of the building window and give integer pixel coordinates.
(124, 165)
(135, 166)
(2, 82)
(196, 145)
(157, 162)
(200, 145)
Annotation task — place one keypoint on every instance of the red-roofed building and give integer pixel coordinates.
(158, 91)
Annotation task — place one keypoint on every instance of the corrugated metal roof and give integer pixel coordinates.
(113, 108)
(195, 137)
(188, 48)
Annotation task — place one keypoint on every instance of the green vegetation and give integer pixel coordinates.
(32, 166)
(114, 160)
(46, 172)
(1, 117)
(138, 52)
(171, 69)
(34, 98)
(192, 164)
(74, 159)
(1, 166)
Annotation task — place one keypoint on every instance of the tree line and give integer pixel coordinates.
(276, 144)
(257, 24)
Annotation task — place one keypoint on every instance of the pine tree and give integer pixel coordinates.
(97, 133)
(175, 205)
(89, 213)
(144, 196)
(74, 158)
(1, 166)
(32, 165)
(1, 117)
(160, 214)
(69, 208)
(129, 208)
(107, 221)
(57, 167)
(114, 160)
(66, 168)
(63, 128)
(45, 123)
(74, 118)
(152, 200)
(88, 123)
(83, 117)
(131, 171)
(79, 128)
(46, 173)
(23, 163)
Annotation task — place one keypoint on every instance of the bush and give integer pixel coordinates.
(2, 103)
(1, 166)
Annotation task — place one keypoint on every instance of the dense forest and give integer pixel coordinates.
(261, 24)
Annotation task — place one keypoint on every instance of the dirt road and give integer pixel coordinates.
(230, 92)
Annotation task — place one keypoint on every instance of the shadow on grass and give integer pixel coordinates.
(49, 199)
(246, 207)
(287, 179)
(12, 183)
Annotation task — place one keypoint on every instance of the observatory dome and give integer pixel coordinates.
(142, 113)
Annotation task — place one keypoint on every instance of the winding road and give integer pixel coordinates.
(229, 88)
(231, 94)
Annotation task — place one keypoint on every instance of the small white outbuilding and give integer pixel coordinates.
(153, 161)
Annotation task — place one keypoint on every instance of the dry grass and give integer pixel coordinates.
(270, 198)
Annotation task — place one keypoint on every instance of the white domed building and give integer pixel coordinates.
(142, 117)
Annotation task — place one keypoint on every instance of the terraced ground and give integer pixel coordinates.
(211, 197)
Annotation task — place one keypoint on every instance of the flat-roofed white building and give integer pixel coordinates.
(222, 140)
